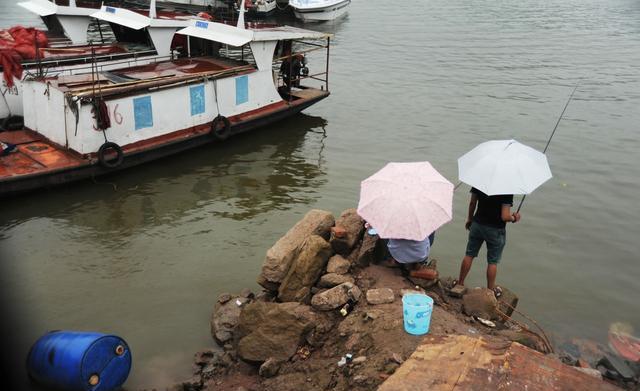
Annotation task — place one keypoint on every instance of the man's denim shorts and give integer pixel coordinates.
(495, 238)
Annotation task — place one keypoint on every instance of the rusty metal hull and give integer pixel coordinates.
(89, 167)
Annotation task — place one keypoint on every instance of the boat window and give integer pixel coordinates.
(203, 47)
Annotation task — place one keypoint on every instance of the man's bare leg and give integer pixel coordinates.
(492, 270)
(464, 269)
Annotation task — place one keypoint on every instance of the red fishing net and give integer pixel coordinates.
(16, 44)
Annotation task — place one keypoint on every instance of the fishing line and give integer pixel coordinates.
(552, 133)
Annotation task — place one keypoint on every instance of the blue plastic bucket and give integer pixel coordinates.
(417, 313)
(79, 361)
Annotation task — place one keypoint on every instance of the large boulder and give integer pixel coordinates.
(225, 317)
(273, 330)
(481, 302)
(348, 231)
(279, 257)
(305, 270)
(335, 297)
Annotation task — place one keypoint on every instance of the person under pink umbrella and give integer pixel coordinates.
(406, 203)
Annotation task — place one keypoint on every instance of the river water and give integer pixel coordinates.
(145, 253)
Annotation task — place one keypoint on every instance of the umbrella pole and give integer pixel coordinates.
(552, 133)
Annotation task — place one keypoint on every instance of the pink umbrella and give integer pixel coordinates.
(406, 200)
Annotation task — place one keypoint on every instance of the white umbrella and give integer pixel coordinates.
(504, 167)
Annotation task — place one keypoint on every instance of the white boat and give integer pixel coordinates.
(133, 32)
(261, 8)
(319, 10)
(80, 126)
(70, 21)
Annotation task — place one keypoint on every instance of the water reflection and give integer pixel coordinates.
(255, 173)
(250, 174)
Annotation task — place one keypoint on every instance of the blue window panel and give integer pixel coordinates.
(242, 89)
(142, 112)
(197, 99)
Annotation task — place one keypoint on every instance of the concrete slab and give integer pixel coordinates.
(458, 362)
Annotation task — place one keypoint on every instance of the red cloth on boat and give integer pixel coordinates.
(16, 44)
(204, 15)
(102, 114)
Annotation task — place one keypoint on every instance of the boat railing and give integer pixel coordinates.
(322, 76)
(89, 59)
(157, 83)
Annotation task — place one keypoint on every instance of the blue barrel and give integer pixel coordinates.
(79, 361)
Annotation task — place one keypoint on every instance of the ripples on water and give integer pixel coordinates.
(426, 80)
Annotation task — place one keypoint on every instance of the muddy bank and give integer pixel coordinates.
(330, 316)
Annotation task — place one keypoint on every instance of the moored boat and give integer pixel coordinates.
(319, 10)
(141, 37)
(261, 8)
(79, 126)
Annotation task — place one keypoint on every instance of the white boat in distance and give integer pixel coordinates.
(261, 8)
(319, 10)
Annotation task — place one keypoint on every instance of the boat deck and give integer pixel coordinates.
(180, 67)
(81, 51)
(163, 69)
(34, 155)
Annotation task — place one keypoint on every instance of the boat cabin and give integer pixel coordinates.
(144, 102)
(63, 21)
(141, 37)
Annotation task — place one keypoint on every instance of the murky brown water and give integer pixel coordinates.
(144, 254)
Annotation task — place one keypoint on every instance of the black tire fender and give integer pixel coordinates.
(221, 128)
(102, 155)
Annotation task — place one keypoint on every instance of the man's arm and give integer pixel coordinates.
(509, 217)
(472, 208)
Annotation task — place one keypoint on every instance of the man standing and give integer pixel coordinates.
(487, 225)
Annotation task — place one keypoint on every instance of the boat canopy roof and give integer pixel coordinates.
(235, 36)
(46, 8)
(280, 33)
(218, 32)
(137, 21)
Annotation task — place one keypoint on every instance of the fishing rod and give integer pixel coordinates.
(552, 133)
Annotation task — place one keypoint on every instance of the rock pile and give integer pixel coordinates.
(306, 277)
(326, 320)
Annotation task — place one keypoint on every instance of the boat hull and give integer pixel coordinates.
(163, 146)
(321, 14)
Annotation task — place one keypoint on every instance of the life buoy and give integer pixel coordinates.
(13, 122)
(221, 128)
(102, 155)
